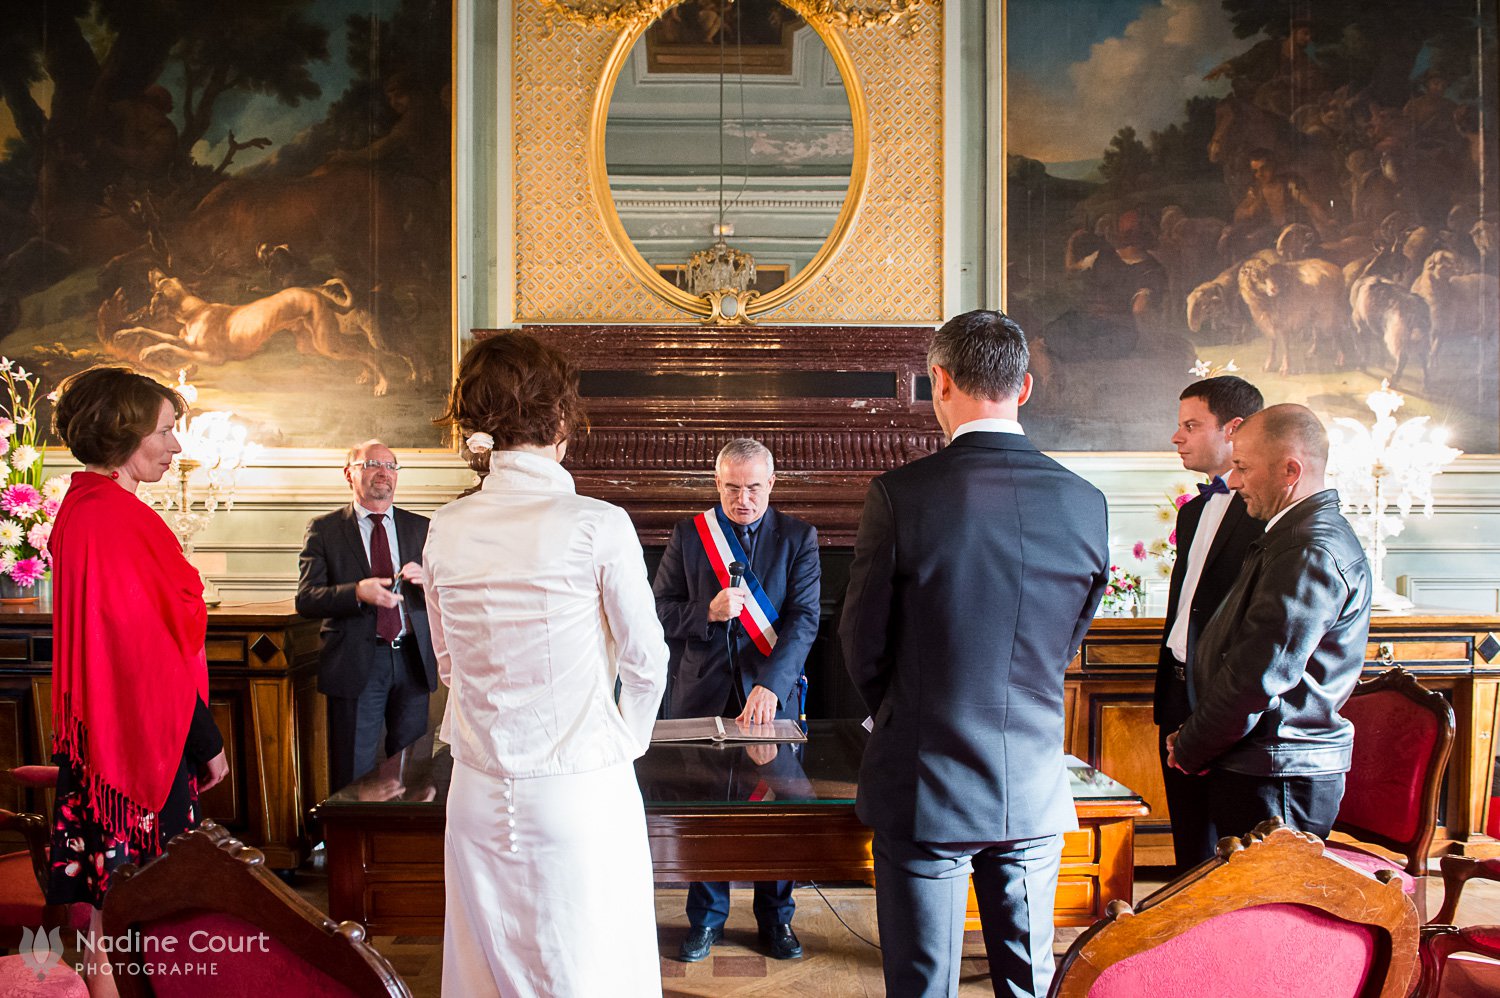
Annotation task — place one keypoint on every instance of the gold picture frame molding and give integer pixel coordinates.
(752, 304)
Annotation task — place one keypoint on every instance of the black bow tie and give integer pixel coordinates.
(1215, 487)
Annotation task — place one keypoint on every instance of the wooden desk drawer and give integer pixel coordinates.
(1080, 845)
(1098, 654)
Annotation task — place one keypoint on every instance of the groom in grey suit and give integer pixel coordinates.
(976, 572)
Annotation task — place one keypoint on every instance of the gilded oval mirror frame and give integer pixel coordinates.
(749, 303)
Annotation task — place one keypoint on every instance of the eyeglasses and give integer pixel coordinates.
(372, 465)
(753, 491)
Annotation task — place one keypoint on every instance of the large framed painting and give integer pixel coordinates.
(1304, 191)
(255, 195)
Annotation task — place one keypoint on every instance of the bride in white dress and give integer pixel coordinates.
(539, 600)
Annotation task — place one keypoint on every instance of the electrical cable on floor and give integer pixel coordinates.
(836, 915)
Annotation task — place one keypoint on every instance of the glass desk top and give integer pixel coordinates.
(822, 770)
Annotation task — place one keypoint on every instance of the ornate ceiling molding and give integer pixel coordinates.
(618, 14)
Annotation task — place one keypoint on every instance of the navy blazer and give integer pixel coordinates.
(1237, 531)
(786, 563)
(976, 573)
(333, 561)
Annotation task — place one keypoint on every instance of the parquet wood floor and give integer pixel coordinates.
(836, 965)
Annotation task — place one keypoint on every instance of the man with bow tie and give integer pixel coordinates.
(1213, 533)
(1284, 651)
(738, 650)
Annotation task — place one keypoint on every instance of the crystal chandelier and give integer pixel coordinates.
(721, 267)
(1376, 467)
(218, 447)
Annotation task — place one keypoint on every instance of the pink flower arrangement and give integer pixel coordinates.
(1123, 593)
(20, 499)
(27, 498)
(28, 571)
(1182, 500)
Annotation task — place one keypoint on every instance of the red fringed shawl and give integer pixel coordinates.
(128, 654)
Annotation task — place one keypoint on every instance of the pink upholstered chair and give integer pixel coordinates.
(22, 874)
(1270, 916)
(1403, 734)
(229, 927)
(19, 979)
(1460, 978)
(1457, 871)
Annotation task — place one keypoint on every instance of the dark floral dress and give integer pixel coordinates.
(84, 856)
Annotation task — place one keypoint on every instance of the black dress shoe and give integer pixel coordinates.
(781, 942)
(700, 939)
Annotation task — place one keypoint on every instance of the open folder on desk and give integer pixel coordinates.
(726, 729)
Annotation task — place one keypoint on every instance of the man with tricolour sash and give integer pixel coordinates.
(737, 593)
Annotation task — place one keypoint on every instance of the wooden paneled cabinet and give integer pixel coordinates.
(1109, 722)
(262, 680)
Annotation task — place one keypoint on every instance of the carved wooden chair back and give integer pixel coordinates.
(1403, 735)
(1270, 915)
(207, 917)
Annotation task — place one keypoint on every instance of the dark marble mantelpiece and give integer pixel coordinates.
(837, 405)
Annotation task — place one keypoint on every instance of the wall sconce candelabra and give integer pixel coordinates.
(220, 449)
(1384, 465)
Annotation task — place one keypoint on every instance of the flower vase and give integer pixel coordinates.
(12, 592)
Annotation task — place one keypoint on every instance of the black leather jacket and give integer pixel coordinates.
(1283, 652)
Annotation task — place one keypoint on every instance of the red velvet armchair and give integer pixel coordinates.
(22, 874)
(1403, 735)
(207, 918)
(1270, 916)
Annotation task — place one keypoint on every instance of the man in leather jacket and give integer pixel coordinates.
(1286, 647)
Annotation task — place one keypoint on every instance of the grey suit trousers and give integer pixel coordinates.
(921, 893)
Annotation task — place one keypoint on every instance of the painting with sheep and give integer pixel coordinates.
(1307, 191)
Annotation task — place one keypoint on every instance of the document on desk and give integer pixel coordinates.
(726, 729)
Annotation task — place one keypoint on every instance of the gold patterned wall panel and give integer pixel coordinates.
(566, 269)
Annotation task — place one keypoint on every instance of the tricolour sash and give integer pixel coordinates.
(723, 548)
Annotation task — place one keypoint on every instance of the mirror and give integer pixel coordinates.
(776, 145)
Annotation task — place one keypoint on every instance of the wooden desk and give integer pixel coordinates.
(385, 832)
(1109, 690)
(262, 684)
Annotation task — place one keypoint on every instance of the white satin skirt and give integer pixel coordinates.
(549, 887)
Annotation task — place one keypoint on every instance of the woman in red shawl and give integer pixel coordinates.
(132, 734)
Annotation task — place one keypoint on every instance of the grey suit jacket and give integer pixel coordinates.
(333, 561)
(976, 573)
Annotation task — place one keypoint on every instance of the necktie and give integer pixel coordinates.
(387, 618)
(1216, 486)
(747, 541)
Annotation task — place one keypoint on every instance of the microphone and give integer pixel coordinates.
(736, 576)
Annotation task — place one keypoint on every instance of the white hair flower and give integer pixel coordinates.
(480, 441)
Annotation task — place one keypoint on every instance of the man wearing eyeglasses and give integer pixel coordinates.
(376, 665)
(738, 650)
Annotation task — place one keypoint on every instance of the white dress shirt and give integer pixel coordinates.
(1203, 540)
(366, 531)
(988, 425)
(1272, 521)
(538, 599)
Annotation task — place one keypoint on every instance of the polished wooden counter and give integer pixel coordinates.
(1109, 688)
(262, 681)
(711, 814)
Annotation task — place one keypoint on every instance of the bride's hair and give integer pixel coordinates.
(517, 389)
